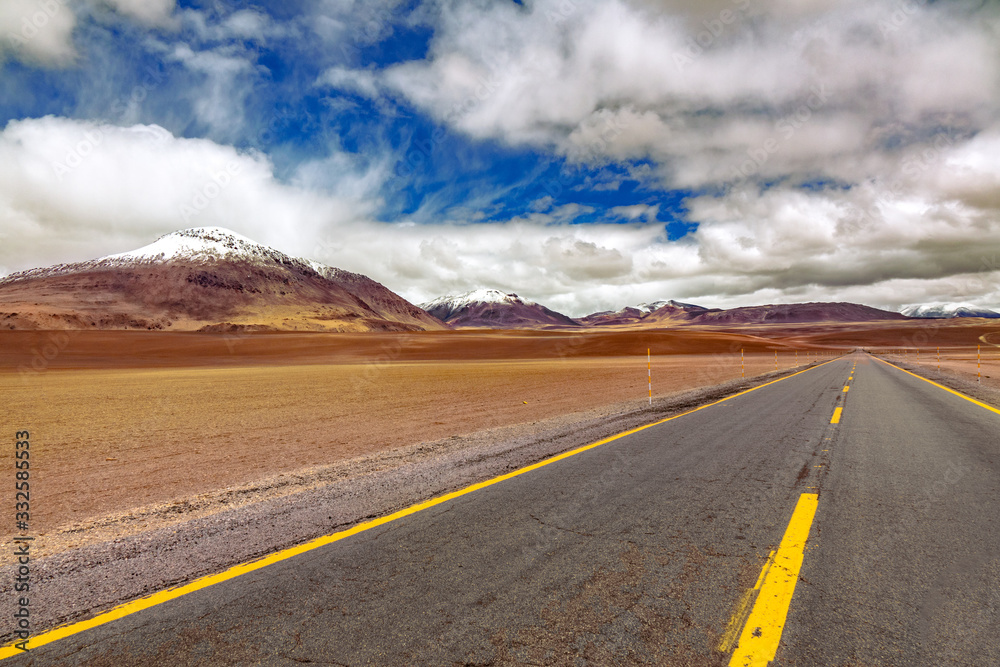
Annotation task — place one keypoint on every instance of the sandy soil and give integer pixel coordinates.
(108, 441)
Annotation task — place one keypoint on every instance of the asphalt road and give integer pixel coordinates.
(641, 550)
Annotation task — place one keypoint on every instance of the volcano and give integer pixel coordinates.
(493, 309)
(207, 279)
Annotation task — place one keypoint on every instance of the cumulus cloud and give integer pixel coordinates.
(72, 190)
(715, 93)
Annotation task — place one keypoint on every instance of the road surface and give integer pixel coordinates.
(848, 514)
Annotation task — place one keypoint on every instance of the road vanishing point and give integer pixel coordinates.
(843, 515)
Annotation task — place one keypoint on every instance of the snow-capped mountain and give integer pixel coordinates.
(947, 310)
(673, 313)
(477, 296)
(656, 305)
(797, 313)
(198, 243)
(204, 278)
(645, 314)
(490, 308)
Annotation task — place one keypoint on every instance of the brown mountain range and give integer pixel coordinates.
(204, 279)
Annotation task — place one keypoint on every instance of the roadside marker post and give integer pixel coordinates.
(743, 369)
(649, 373)
(979, 368)
(775, 360)
(939, 358)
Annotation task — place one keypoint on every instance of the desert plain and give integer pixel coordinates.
(121, 420)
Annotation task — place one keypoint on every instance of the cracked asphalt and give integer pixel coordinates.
(637, 551)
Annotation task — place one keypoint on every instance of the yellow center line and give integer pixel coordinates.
(761, 634)
(743, 610)
(238, 570)
(835, 419)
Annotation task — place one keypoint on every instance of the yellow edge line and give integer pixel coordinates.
(941, 386)
(237, 570)
(835, 419)
(761, 635)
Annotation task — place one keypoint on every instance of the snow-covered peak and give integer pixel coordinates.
(656, 305)
(196, 243)
(947, 310)
(650, 307)
(474, 297)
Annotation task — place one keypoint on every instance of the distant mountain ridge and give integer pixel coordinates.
(491, 308)
(203, 278)
(672, 313)
(798, 313)
(947, 310)
(646, 313)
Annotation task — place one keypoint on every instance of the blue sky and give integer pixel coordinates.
(585, 154)
(440, 174)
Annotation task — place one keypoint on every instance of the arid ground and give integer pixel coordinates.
(120, 420)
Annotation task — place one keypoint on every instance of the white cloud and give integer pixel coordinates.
(226, 83)
(40, 32)
(148, 12)
(73, 190)
(822, 85)
(244, 24)
(362, 82)
(37, 31)
(637, 212)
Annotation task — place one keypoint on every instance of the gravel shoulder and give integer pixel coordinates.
(96, 566)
